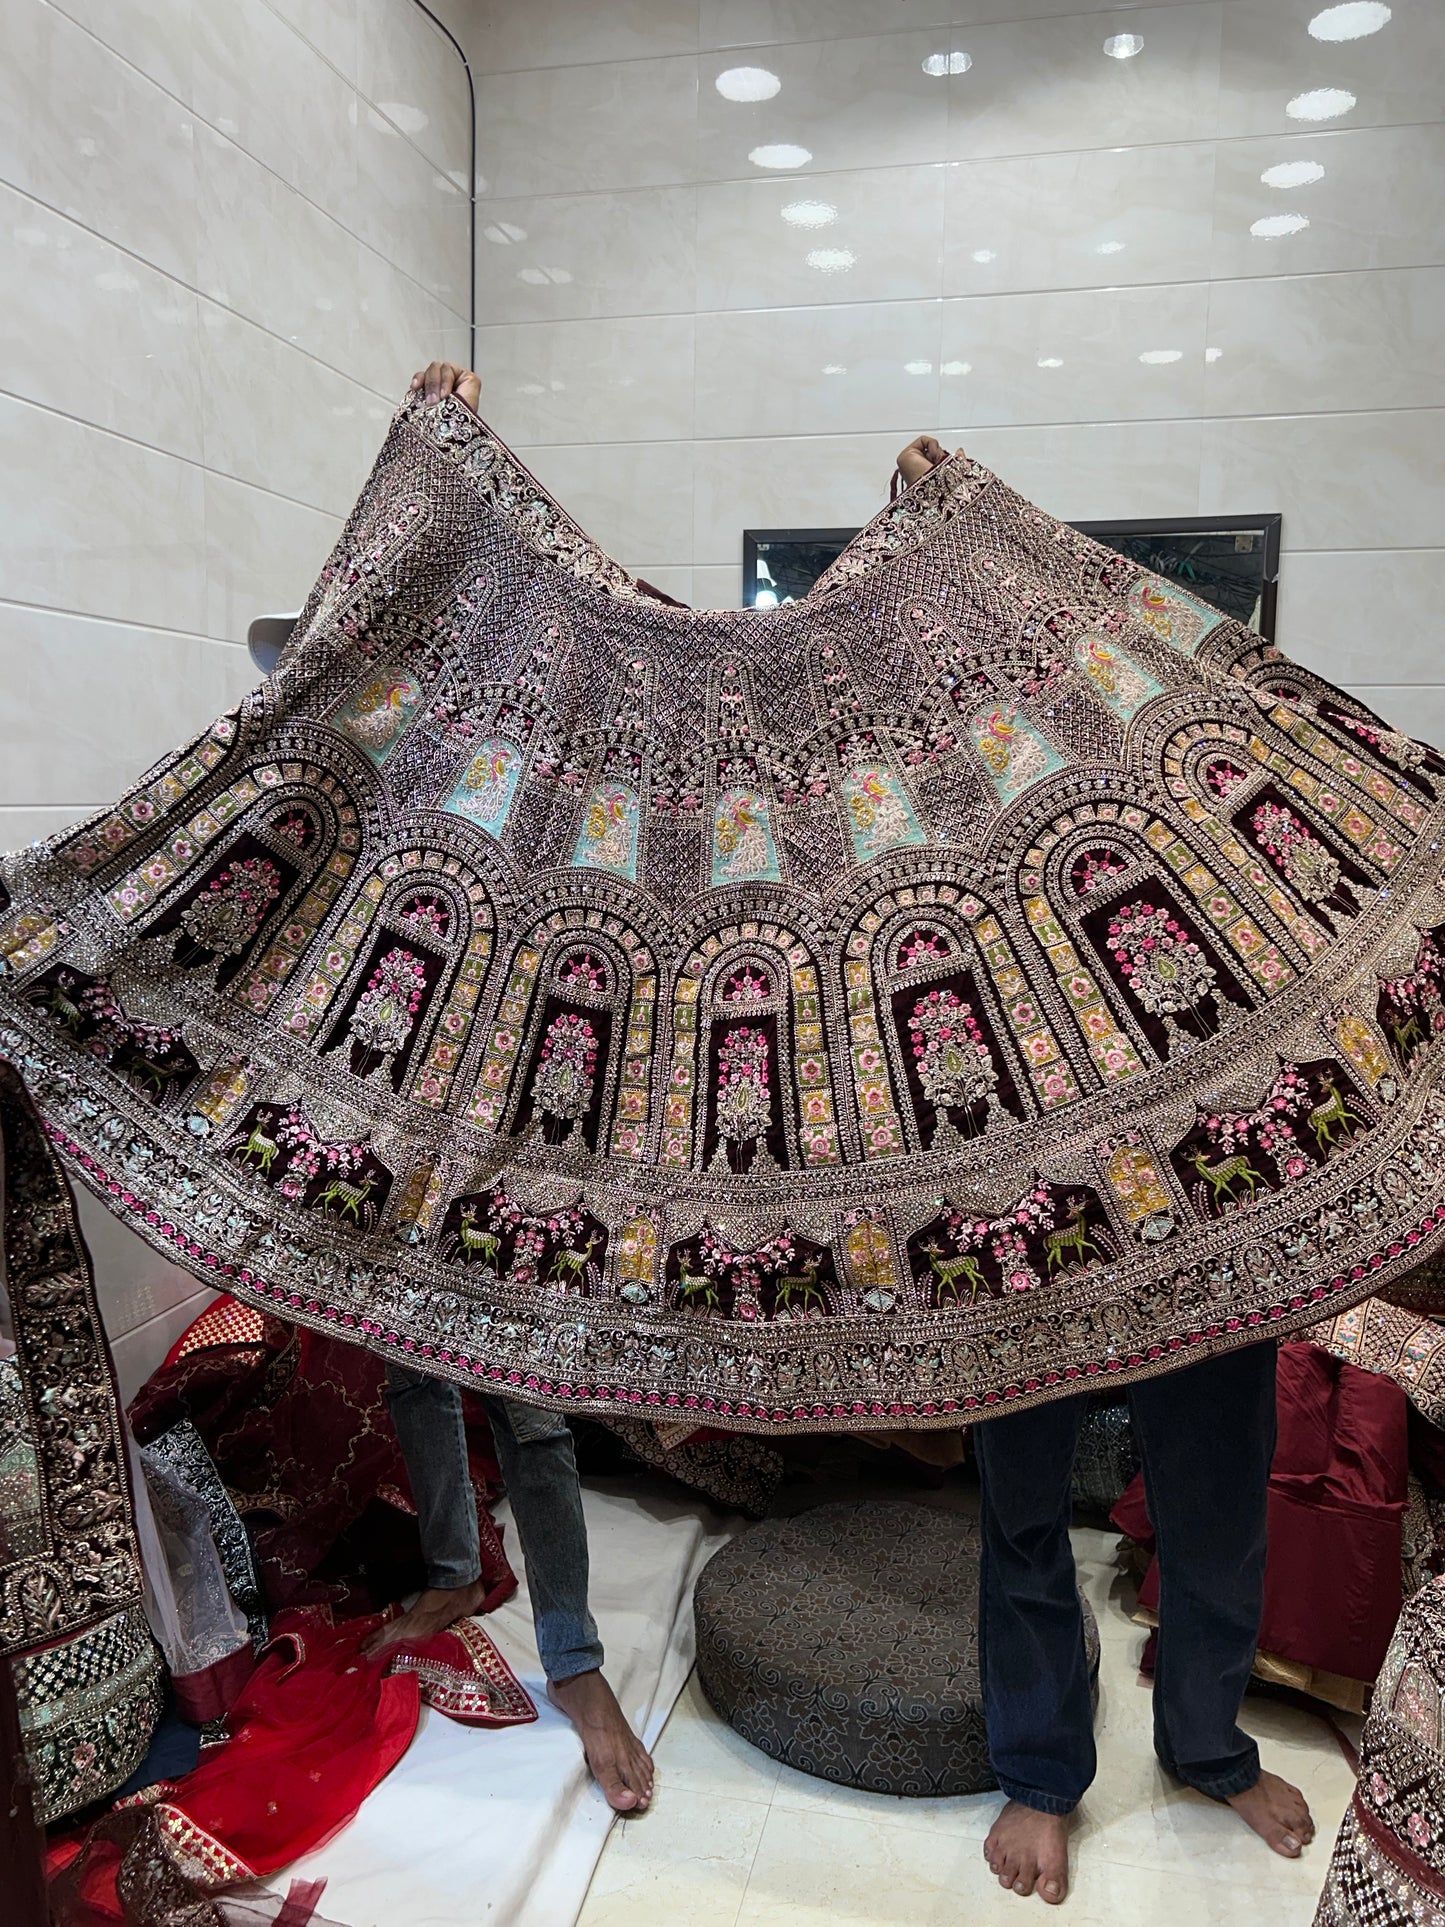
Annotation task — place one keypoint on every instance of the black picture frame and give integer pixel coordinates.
(1141, 539)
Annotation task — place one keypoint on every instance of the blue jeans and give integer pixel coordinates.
(1206, 1437)
(539, 1470)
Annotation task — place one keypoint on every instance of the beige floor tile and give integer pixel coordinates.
(967, 1817)
(684, 1864)
(836, 1872)
(700, 1753)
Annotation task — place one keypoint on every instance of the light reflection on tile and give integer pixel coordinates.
(1373, 207)
(1106, 218)
(1268, 59)
(557, 256)
(1308, 344)
(760, 372)
(756, 239)
(1080, 355)
(850, 103)
(1043, 86)
(589, 381)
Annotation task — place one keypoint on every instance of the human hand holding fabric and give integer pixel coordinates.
(922, 454)
(440, 378)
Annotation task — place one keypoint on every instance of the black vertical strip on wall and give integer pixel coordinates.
(442, 27)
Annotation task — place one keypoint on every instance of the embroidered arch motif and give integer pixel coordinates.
(731, 983)
(421, 924)
(626, 984)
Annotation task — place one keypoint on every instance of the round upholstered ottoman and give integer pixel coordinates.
(845, 1642)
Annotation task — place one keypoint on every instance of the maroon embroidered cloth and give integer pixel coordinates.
(993, 971)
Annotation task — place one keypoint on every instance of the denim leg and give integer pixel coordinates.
(1037, 1703)
(1206, 1438)
(534, 1448)
(427, 1413)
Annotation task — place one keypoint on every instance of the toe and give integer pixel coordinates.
(620, 1796)
(1051, 1889)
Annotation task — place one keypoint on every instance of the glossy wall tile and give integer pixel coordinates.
(228, 234)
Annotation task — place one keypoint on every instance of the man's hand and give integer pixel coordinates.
(921, 454)
(440, 378)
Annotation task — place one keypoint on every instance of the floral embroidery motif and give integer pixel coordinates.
(1093, 869)
(484, 793)
(377, 715)
(880, 817)
(743, 849)
(1308, 865)
(387, 1009)
(608, 837)
(233, 906)
(1013, 751)
(563, 1085)
(1163, 965)
(1114, 675)
(744, 1095)
(955, 1066)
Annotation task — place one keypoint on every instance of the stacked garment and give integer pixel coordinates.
(1338, 1494)
(88, 1674)
(1388, 1866)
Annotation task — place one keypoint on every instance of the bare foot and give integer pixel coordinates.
(620, 1763)
(1029, 1851)
(435, 1609)
(1278, 1813)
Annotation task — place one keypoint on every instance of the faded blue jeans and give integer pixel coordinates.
(534, 1449)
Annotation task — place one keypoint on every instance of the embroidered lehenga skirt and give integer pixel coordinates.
(995, 973)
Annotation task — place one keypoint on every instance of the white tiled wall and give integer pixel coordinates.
(229, 231)
(996, 250)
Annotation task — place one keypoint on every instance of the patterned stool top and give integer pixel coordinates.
(845, 1642)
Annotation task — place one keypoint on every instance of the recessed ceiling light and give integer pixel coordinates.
(1270, 225)
(810, 213)
(1292, 174)
(983, 255)
(831, 260)
(1050, 361)
(918, 367)
(747, 83)
(1158, 357)
(780, 154)
(1352, 21)
(1124, 46)
(1110, 247)
(957, 62)
(1321, 103)
(957, 368)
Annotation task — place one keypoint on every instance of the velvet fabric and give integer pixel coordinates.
(1337, 1498)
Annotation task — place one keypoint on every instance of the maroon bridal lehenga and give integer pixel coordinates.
(995, 972)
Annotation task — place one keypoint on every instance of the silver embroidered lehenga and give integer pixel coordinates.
(994, 972)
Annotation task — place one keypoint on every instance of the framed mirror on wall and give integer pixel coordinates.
(1230, 561)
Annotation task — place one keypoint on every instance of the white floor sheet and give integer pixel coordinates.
(507, 1827)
